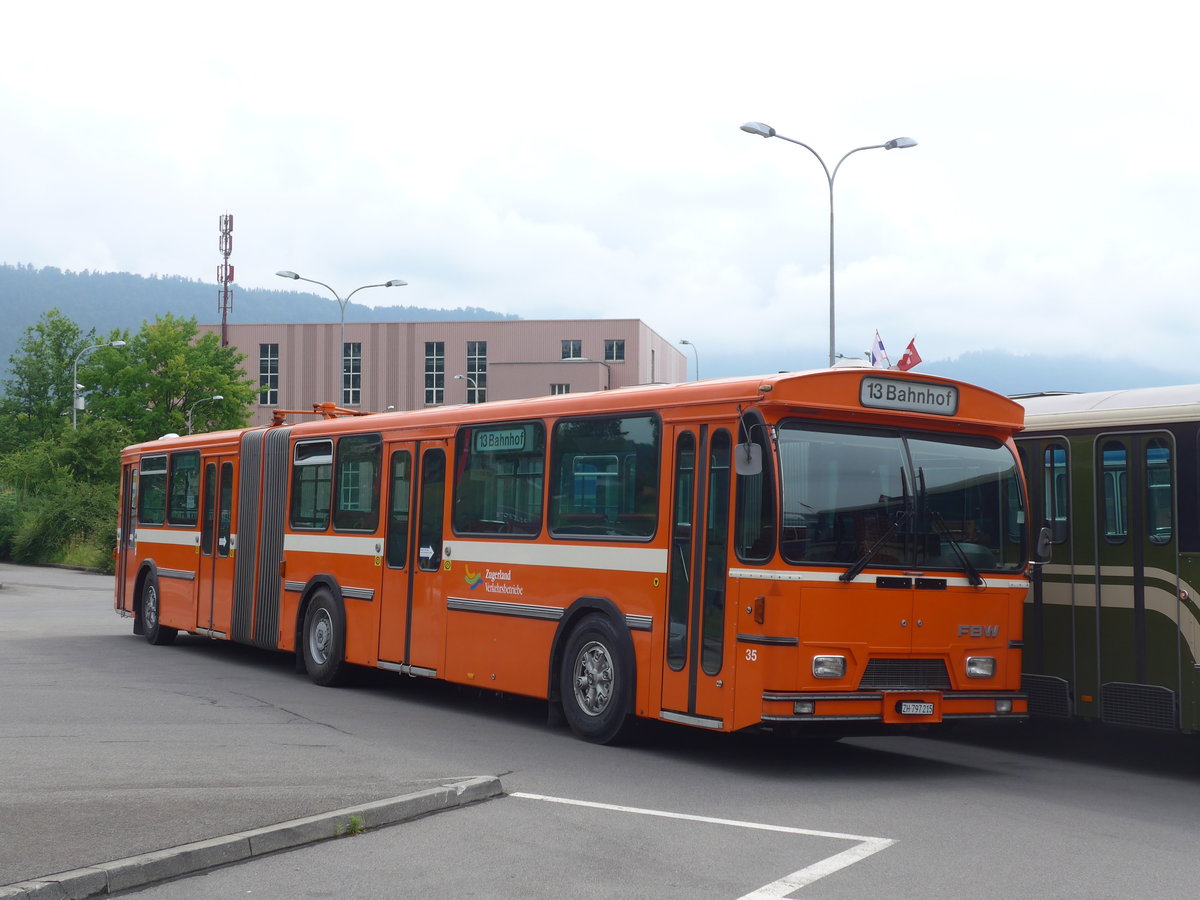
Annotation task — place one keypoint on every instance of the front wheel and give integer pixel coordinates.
(152, 627)
(596, 682)
(323, 641)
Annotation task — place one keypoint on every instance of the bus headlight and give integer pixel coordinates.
(829, 666)
(981, 666)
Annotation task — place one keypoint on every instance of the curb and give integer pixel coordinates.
(187, 859)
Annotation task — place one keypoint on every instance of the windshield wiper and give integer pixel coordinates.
(851, 573)
(972, 573)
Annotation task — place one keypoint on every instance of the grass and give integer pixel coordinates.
(355, 825)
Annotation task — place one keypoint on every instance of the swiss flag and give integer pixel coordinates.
(910, 358)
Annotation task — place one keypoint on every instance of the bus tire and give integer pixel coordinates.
(596, 682)
(323, 639)
(153, 629)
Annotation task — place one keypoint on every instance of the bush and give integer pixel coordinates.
(10, 519)
(62, 515)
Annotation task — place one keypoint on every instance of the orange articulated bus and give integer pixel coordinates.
(842, 550)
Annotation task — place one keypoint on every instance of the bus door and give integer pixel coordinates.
(127, 541)
(214, 593)
(1136, 553)
(697, 664)
(410, 606)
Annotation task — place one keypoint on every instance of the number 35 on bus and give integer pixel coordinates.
(841, 550)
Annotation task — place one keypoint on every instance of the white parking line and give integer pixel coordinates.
(865, 845)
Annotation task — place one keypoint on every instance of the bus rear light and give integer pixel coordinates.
(981, 666)
(829, 666)
(804, 707)
(1003, 706)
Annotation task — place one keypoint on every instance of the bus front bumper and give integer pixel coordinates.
(893, 707)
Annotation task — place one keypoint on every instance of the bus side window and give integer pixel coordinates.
(1160, 492)
(754, 528)
(397, 528)
(604, 473)
(1055, 490)
(152, 505)
(1114, 491)
(433, 491)
(312, 481)
(184, 491)
(356, 507)
(498, 479)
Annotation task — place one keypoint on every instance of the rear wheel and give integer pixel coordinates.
(152, 628)
(323, 642)
(596, 682)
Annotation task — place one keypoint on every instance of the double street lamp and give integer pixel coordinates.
(76, 397)
(192, 408)
(899, 143)
(395, 282)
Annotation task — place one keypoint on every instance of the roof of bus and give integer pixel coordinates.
(836, 389)
(1135, 406)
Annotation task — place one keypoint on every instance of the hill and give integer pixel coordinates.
(107, 300)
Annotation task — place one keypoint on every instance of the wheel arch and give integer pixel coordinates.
(310, 588)
(571, 617)
(146, 571)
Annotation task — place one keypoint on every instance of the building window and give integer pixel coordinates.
(476, 371)
(435, 373)
(614, 350)
(351, 374)
(572, 349)
(268, 374)
(560, 389)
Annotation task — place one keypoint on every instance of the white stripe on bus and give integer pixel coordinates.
(832, 575)
(565, 556)
(167, 536)
(345, 544)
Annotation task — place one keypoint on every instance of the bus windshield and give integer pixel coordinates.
(888, 498)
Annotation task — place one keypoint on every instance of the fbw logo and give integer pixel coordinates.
(990, 631)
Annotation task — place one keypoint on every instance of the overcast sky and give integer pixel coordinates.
(557, 159)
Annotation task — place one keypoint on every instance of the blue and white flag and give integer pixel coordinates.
(879, 357)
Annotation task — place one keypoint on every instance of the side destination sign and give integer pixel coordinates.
(495, 440)
(887, 393)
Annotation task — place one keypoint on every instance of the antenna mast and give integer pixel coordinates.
(225, 276)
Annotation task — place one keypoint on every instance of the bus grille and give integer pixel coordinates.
(1147, 705)
(905, 675)
(1048, 695)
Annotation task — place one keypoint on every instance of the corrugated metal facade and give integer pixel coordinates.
(524, 359)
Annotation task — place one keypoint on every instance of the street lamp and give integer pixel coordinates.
(76, 387)
(697, 354)
(767, 131)
(471, 381)
(197, 403)
(395, 282)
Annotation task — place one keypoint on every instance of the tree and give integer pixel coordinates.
(165, 370)
(38, 394)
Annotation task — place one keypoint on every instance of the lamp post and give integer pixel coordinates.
(470, 381)
(767, 131)
(192, 408)
(76, 399)
(697, 354)
(395, 282)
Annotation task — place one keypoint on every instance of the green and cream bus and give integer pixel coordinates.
(1112, 625)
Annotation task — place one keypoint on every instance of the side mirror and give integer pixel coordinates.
(747, 459)
(1041, 553)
